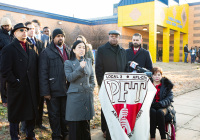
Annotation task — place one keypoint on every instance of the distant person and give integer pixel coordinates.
(137, 54)
(186, 51)
(20, 69)
(47, 32)
(6, 38)
(192, 54)
(38, 34)
(89, 53)
(161, 101)
(160, 54)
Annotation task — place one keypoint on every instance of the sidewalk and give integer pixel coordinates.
(187, 108)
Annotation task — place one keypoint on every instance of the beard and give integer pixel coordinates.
(60, 42)
(135, 45)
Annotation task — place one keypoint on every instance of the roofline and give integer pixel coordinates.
(195, 3)
(28, 11)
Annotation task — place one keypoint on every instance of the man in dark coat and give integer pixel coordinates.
(109, 58)
(19, 68)
(40, 46)
(53, 84)
(139, 55)
(6, 38)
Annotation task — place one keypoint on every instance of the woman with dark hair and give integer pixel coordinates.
(88, 53)
(79, 106)
(161, 101)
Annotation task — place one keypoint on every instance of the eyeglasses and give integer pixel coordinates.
(22, 30)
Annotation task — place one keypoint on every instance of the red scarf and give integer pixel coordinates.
(23, 44)
(64, 55)
(157, 97)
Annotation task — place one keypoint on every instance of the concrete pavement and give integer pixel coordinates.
(187, 108)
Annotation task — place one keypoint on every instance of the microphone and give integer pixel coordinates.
(81, 59)
(139, 69)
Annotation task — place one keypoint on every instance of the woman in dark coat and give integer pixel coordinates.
(79, 107)
(161, 102)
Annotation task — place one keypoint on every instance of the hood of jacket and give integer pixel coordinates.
(167, 83)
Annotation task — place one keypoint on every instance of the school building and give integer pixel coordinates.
(164, 24)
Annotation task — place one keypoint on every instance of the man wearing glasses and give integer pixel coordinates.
(19, 68)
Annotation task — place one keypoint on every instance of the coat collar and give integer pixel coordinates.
(20, 48)
(54, 49)
(131, 54)
(108, 46)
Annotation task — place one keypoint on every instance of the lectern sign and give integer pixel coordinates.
(122, 96)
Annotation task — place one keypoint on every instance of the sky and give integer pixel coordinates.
(83, 9)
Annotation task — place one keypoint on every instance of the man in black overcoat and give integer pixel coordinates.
(20, 69)
(110, 57)
(139, 55)
(53, 84)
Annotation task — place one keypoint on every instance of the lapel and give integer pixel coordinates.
(75, 63)
(28, 40)
(19, 47)
(53, 48)
(131, 54)
(109, 47)
(30, 50)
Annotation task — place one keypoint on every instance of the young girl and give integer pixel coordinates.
(162, 100)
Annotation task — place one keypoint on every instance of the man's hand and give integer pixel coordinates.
(47, 97)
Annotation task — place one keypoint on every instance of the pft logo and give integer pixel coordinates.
(126, 96)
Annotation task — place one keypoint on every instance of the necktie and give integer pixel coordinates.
(33, 41)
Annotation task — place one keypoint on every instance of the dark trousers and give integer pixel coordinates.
(79, 130)
(3, 90)
(157, 117)
(40, 111)
(103, 122)
(104, 126)
(56, 110)
(29, 127)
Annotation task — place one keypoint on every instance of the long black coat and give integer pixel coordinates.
(51, 72)
(142, 57)
(109, 61)
(20, 69)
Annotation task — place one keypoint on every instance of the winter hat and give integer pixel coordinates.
(57, 31)
(5, 21)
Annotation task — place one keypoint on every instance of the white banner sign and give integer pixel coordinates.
(125, 100)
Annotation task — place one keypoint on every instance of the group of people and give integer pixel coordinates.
(194, 54)
(37, 67)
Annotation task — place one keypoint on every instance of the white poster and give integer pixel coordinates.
(125, 100)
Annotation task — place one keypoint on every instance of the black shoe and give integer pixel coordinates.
(41, 127)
